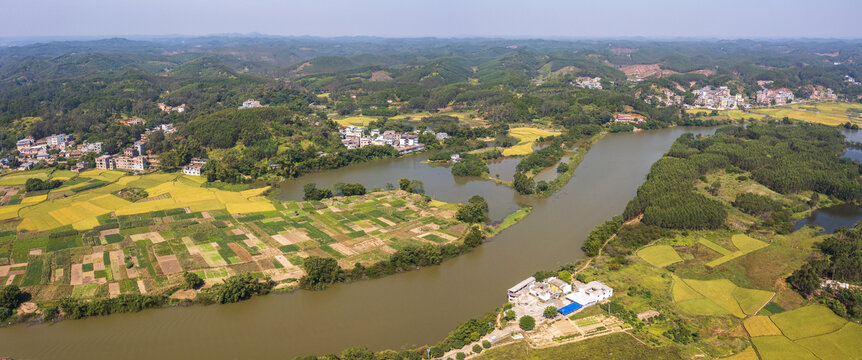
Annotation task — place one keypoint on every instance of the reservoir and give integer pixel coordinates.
(412, 308)
(833, 217)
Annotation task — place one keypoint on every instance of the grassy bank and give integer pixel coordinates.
(577, 156)
(510, 220)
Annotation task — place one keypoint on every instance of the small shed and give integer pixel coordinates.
(568, 309)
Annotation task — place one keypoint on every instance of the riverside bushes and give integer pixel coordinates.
(79, 308)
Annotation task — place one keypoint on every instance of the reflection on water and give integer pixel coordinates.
(833, 217)
(853, 154)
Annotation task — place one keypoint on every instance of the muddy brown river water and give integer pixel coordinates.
(416, 307)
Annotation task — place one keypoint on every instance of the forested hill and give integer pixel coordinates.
(86, 87)
(786, 159)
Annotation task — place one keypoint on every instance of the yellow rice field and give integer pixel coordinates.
(832, 113)
(527, 137)
(81, 210)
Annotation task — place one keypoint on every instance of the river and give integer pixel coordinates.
(416, 307)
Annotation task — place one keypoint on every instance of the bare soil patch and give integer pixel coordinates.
(242, 253)
(169, 264)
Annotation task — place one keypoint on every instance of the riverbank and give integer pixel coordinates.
(576, 157)
(379, 313)
(677, 288)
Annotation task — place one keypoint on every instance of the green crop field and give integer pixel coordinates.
(751, 300)
(659, 255)
(747, 244)
(807, 321)
(717, 297)
(611, 347)
(715, 247)
(842, 344)
(761, 326)
(780, 348)
(720, 292)
(682, 292)
(157, 237)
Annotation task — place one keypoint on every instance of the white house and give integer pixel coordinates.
(515, 290)
(192, 170)
(591, 293)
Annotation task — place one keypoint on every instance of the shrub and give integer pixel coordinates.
(486, 344)
(477, 349)
(527, 323)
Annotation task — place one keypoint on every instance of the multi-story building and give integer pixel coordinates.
(58, 140)
(95, 147)
(192, 170)
(718, 99)
(250, 103)
(780, 96)
(138, 163)
(105, 162)
(24, 143)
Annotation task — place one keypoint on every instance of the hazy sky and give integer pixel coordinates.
(440, 18)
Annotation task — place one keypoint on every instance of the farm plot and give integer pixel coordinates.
(842, 344)
(659, 255)
(744, 243)
(760, 326)
(717, 297)
(780, 348)
(526, 139)
(807, 321)
(140, 247)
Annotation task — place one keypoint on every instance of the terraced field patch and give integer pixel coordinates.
(760, 326)
(114, 246)
(526, 140)
(659, 255)
(717, 297)
(811, 320)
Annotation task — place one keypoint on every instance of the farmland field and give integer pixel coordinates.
(612, 347)
(807, 321)
(362, 120)
(842, 344)
(832, 114)
(526, 140)
(760, 326)
(215, 233)
(659, 255)
(780, 348)
(716, 297)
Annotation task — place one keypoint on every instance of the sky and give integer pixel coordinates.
(727, 19)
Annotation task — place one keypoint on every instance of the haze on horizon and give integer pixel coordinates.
(728, 19)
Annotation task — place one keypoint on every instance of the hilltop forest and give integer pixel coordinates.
(85, 87)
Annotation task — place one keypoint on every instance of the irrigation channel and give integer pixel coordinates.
(416, 307)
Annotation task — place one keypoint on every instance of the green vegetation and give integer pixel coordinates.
(614, 346)
(527, 323)
(475, 211)
(132, 194)
(36, 184)
(668, 198)
(659, 255)
(241, 287)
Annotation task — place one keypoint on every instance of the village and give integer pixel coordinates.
(356, 137)
(60, 148)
